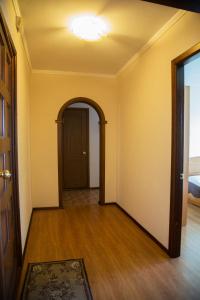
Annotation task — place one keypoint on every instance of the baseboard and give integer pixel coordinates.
(109, 203)
(94, 188)
(142, 228)
(27, 236)
(46, 208)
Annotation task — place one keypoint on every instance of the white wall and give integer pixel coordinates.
(48, 93)
(93, 143)
(145, 128)
(23, 118)
(194, 121)
(192, 78)
(94, 148)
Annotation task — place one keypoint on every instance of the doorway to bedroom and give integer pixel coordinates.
(184, 229)
(191, 166)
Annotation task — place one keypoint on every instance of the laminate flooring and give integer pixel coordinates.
(122, 262)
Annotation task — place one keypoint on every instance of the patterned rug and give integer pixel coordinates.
(57, 280)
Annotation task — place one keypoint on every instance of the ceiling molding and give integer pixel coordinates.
(57, 72)
(21, 32)
(154, 39)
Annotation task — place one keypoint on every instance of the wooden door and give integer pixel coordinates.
(10, 250)
(76, 148)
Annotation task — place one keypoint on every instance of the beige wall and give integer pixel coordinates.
(145, 128)
(48, 93)
(23, 101)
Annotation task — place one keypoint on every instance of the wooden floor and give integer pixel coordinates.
(122, 263)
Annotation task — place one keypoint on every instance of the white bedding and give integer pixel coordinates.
(195, 180)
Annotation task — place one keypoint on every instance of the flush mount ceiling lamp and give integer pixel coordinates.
(88, 27)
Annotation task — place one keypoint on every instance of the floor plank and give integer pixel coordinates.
(122, 262)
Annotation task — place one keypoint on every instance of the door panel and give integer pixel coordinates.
(9, 228)
(75, 148)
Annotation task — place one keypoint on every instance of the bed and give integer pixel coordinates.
(194, 185)
(194, 189)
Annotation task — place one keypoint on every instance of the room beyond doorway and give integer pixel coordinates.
(81, 149)
(179, 171)
(83, 197)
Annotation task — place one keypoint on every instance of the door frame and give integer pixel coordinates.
(14, 135)
(102, 122)
(177, 148)
(87, 141)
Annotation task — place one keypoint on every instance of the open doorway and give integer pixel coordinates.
(185, 171)
(81, 152)
(191, 159)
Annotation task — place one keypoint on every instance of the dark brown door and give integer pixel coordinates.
(9, 239)
(75, 148)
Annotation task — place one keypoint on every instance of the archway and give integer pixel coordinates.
(102, 122)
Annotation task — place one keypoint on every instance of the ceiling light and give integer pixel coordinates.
(88, 27)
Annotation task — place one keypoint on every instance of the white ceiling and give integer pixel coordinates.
(53, 47)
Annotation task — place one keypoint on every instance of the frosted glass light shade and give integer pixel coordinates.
(88, 27)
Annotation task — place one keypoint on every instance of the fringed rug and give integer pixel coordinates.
(57, 280)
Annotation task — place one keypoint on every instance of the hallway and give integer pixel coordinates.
(129, 74)
(118, 267)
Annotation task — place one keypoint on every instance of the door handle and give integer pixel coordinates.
(5, 174)
(84, 153)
